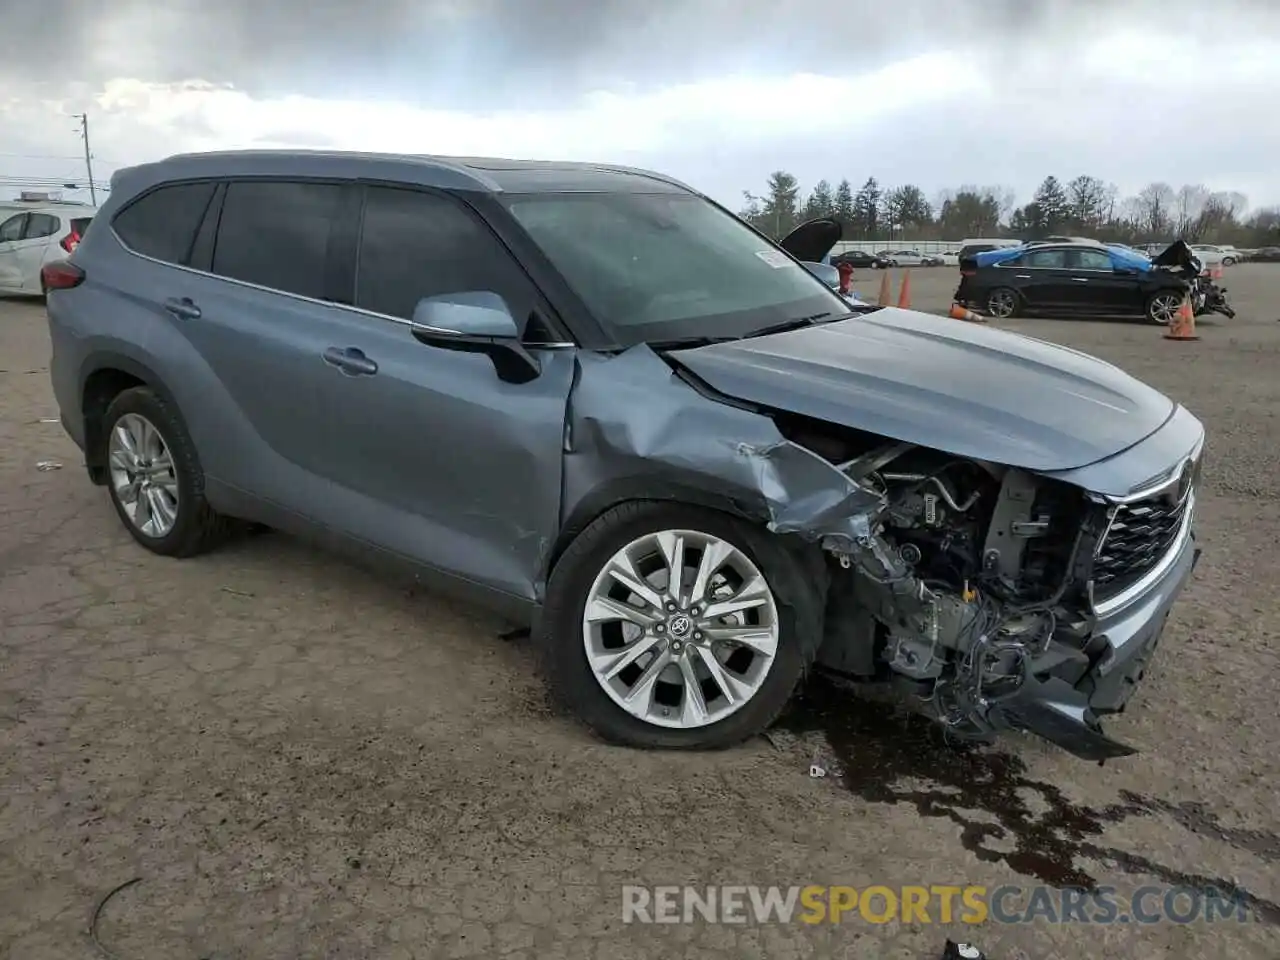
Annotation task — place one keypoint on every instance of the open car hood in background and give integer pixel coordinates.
(812, 241)
(1177, 254)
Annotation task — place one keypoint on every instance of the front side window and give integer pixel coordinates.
(665, 266)
(1092, 260)
(415, 245)
(162, 224)
(276, 234)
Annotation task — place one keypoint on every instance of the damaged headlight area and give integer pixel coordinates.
(966, 585)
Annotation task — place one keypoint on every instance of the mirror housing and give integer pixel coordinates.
(476, 321)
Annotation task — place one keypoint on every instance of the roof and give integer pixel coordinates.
(478, 174)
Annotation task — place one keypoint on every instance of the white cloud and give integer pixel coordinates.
(1124, 109)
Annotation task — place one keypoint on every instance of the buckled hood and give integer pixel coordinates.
(956, 387)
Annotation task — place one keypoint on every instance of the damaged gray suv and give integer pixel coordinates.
(596, 401)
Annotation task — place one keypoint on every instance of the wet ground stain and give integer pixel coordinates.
(881, 750)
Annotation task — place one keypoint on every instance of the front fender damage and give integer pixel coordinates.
(639, 427)
(632, 415)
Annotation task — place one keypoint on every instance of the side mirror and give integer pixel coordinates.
(476, 322)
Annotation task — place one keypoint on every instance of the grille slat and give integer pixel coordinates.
(1141, 534)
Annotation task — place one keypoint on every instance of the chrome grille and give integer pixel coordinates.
(1140, 534)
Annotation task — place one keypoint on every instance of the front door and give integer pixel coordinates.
(10, 237)
(1097, 288)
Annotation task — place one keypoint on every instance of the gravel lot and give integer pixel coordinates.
(301, 759)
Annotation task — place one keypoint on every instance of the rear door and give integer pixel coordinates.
(12, 225)
(39, 234)
(1039, 276)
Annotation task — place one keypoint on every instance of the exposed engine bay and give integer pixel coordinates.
(963, 586)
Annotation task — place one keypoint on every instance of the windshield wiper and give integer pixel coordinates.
(677, 343)
(786, 325)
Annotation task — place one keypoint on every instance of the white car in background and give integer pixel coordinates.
(902, 258)
(1211, 255)
(33, 233)
(1231, 255)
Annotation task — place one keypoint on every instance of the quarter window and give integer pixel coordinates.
(162, 224)
(416, 245)
(276, 234)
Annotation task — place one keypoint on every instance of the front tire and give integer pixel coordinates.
(699, 661)
(1162, 307)
(154, 477)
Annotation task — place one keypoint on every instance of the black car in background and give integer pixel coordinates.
(1074, 279)
(855, 258)
(1266, 255)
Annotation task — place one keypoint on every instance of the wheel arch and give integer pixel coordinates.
(104, 375)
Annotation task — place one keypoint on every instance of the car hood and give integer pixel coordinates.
(1177, 254)
(959, 388)
(813, 240)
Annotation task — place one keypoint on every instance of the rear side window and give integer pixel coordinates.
(11, 229)
(1046, 259)
(1091, 260)
(416, 245)
(80, 224)
(276, 234)
(163, 223)
(40, 225)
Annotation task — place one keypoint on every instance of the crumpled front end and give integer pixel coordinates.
(997, 597)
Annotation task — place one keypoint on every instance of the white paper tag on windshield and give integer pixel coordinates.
(774, 258)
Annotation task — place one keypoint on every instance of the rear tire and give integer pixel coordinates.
(663, 714)
(1003, 303)
(156, 485)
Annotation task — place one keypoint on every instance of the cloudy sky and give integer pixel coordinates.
(717, 92)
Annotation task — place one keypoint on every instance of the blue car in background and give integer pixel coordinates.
(1075, 278)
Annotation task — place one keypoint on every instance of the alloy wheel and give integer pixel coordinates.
(1164, 307)
(680, 628)
(142, 475)
(1002, 303)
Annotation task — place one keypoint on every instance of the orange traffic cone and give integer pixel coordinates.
(960, 313)
(904, 293)
(886, 299)
(1183, 326)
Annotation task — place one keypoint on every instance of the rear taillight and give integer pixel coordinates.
(61, 275)
(70, 242)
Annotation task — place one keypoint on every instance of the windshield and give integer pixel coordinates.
(660, 267)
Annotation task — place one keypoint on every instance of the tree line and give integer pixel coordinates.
(1084, 205)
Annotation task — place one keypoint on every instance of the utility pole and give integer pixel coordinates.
(88, 157)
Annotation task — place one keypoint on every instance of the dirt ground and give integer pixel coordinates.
(301, 759)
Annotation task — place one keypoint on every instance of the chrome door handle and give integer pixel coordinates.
(1080, 279)
(350, 360)
(1022, 276)
(183, 309)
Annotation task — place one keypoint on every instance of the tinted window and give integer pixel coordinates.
(1046, 259)
(276, 234)
(162, 224)
(11, 229)
(40, 225)
(417, 245)
(1092, 260)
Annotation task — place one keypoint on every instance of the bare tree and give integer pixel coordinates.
(1190, 201)
(1154, 208)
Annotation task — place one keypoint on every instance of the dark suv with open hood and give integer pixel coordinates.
(598, 402)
